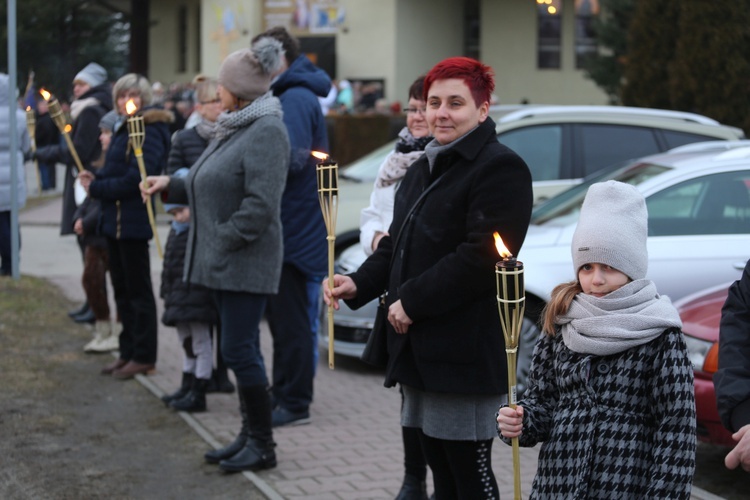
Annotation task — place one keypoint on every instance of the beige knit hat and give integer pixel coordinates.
(612, 229)
(246, 73)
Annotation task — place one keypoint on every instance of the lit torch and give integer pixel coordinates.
(31, 128)
(56, 113)
(511, 303)
(328, 195)
(137, 134)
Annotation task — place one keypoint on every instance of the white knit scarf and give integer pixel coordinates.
(632, 315)
(230, 122)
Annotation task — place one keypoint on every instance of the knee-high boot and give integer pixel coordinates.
(216, 456)
(258, 452)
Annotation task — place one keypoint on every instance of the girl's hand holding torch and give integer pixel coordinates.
(86, 178)
(510, 421)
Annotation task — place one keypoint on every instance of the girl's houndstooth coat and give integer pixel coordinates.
(619, 426)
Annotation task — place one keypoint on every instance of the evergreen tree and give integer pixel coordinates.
(652, 37)
(606, 67)
(710, 71)
(57, 38)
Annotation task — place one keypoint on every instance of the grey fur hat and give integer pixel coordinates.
(247, 73)
(612, 229)
(93, 74)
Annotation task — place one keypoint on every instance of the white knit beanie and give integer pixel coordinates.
(246, 73)
(93, 74)
(612, 229)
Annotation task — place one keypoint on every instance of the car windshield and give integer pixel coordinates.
(366, 168)
(563, 209)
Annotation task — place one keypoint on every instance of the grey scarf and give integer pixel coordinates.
(632, 315)
(230, 122)
(205, 129)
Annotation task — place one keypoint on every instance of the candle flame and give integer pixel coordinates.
(319, 155)
(45, 94)
(68, 128)
(501, 248)
(130, 107)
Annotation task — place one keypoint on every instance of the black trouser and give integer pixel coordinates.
(5, 250)
(461, 470)
(288, 318)
(130, 271)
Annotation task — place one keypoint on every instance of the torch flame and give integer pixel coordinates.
(68, 128)
(28, 108)
(319, 155)
(45, 94)
(501, 248)
(130, 107)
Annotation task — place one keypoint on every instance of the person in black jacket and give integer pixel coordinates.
(124, 221)
(445, 343)
(732, 379)
(93, 98)
(96, 257)
(189, 307)
(46, 134)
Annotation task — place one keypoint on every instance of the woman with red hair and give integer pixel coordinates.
(445, 342)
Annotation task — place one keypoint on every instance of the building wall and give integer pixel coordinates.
(393, 40)
(509, 45)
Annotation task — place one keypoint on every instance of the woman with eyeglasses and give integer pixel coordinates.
(376, 218)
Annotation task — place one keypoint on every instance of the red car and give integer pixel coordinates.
(701, 313)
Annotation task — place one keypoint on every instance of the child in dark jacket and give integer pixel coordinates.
(96, 257)
(610, 391)
(189, 308)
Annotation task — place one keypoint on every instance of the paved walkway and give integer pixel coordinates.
(352, 448)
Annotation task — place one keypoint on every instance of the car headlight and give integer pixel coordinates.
(703, 355)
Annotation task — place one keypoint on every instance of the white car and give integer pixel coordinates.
(698, 199)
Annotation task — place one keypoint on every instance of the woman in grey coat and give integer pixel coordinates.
(235, 242)
(610, 391)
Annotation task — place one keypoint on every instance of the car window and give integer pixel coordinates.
(602, 145)
(675, 139)
(539, 146)
(563, 208)
(366, 168)
(712, 204)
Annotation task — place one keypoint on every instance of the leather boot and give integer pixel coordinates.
(195, 399)
(412, 489)
(80, 310)
(258, 453)
(187, 383)
(216, 456)
(220, 381)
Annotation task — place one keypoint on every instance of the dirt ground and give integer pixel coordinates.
(67, 432)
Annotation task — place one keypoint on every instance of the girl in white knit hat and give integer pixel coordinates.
(610, 393)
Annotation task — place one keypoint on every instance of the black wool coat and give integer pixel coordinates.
(443, 269)
(183, 301)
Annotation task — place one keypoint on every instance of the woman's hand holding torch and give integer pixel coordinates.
(153, 184)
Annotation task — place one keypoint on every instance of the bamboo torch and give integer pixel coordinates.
(328, 195)
(31, 128)
(137, 134)
(511, 303)
(56, 113)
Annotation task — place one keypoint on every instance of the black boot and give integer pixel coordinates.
(77, 312)
(412, 489)
(195, 399)
(85, 317)
(187, 383)
(258, 453)
(220, 382)
(216, 456)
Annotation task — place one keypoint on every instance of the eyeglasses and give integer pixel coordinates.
(211, 102)
(415, 111)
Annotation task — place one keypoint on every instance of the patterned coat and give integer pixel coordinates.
(619, 426)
